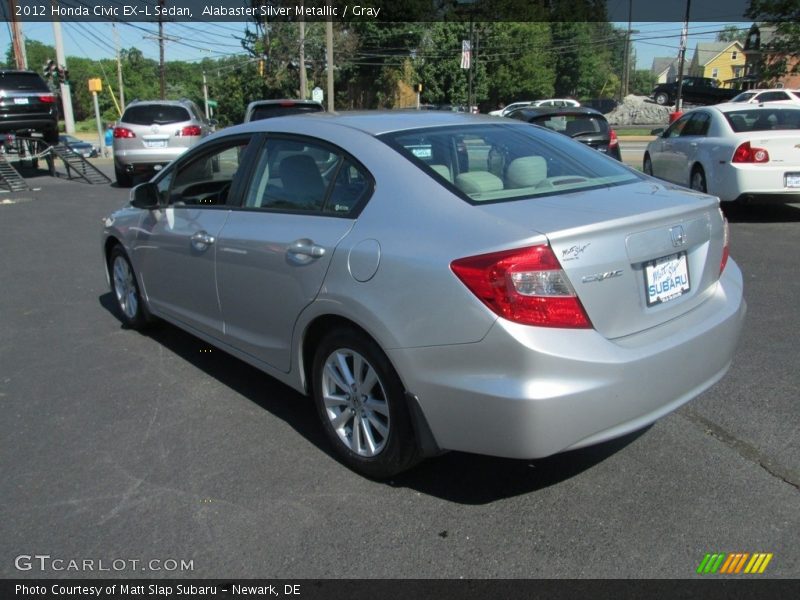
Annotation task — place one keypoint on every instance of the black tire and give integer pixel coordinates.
(361, 413)
(51, 136)
(698, 180)
(662, 99)
(131, 307)
(123, 179)
(647, 165)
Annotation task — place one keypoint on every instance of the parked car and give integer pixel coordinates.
(771, 95)
(78, 146)
(265, 109)
(152, 133)
(555, 102)
(695, 90)
(27, 106)
(734, 151)
(435, 280)
(581, 123)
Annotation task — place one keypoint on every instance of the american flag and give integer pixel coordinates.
(466, 54)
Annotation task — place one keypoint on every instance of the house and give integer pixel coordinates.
(723, 61)
(756, 47)
(666, 69)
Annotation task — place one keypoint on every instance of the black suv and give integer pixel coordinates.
(27, 105)
(696, 90)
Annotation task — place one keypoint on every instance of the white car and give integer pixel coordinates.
(771, 95)
(556, 102)
(733, 151)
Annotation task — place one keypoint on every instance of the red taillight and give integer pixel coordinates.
(725, 245)
(48, 98)
(613, 141)
(123, 132)
(190, 130)
(747, 154)
(525, 286)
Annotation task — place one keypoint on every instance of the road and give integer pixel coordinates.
(118, 445)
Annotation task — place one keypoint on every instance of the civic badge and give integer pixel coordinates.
(678, 236)
(154, 129)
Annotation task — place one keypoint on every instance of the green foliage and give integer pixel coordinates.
(780, 55)
(642, 82)
(732, 33)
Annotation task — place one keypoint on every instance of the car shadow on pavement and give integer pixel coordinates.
(761, 212)
(457, 477)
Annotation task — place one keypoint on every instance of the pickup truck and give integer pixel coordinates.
(696, 90)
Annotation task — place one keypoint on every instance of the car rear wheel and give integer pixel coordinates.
(123, 179)
(647, 166)
(662, 99)
(129, 301)
(698, 181)
(361, 402)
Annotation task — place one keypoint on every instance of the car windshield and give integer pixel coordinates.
(23, 82)
(497, 163)
(573, 125)
(265, 111)
(158, 114)
(764, 119)
(743, 97)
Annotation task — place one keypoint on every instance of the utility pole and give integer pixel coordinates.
(303, 84)
(627, 60)
(471, 63)
(161, 75)
(119, 67)
(329, 52)
(61, 61)
(205, 96)
(20, 55)
(682, 58)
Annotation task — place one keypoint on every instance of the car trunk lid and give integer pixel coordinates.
(619, 243)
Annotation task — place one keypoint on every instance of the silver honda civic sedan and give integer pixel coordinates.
(436, 281)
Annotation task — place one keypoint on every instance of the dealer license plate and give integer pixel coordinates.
(666, 278)
(792, 180)
(155, 144)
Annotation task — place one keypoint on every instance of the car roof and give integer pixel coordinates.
(536, 111)
(284, 102)
(731, 106)
(376, 122)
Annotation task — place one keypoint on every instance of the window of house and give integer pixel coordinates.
(734, 55)
(714, 73)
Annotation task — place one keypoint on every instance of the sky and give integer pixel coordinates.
(195, 41)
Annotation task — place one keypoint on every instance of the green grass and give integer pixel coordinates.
(622, 132)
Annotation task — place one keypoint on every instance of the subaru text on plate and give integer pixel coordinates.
(436, 281)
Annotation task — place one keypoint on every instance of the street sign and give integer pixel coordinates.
(317, 95)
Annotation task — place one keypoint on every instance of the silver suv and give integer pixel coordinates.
(153, 133)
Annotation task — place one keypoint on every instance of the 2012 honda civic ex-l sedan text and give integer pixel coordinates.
(436, 281)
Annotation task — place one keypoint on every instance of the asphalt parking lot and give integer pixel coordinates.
(120, 446)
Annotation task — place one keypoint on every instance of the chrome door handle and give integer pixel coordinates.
(304, 251)
(202, 240)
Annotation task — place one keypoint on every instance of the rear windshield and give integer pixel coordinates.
(22, 82)
(764, 119)
(156, 114)
(265, 111)
(500, 162)
(573, 125)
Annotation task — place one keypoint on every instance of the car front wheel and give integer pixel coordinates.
(126, 290)
(647, 166)
(662, 99)
(361, 402)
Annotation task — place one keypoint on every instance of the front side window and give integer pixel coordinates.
(697, 125)
(303, 176)
(206, 178)
(676, 128)
(494, 163)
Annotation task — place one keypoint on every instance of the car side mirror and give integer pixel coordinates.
(657, 131)
(145, 196)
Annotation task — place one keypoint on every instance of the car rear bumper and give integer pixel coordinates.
(39, 124)
(527, 392)
(756, 181)
(145, 159)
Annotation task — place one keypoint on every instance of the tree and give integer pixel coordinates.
(731, 33)
(781, 54)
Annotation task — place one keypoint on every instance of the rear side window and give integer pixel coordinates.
(23, 82)
(158, 114)
(265, 111)
(496, 163)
